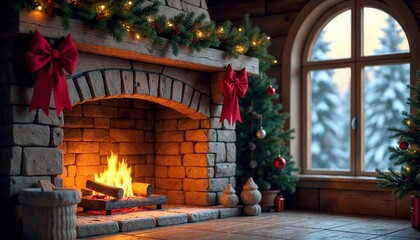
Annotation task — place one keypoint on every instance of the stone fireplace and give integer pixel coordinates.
(157, 110)
(160, 119)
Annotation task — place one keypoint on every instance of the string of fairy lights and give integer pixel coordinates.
(235, 41)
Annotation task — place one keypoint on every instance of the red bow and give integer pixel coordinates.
(49, 64)
(233, 85)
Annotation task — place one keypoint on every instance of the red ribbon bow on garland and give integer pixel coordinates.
(49, 64)
(233, 85)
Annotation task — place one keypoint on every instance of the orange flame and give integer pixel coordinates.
(118, 174)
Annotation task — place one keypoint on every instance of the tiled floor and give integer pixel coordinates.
(284, 225)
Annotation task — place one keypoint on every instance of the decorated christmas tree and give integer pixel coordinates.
(262, 150)
(407, 154)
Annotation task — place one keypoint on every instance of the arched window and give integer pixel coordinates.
(350, 64)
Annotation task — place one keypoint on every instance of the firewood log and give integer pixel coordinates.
(144, 189)
(115, 192)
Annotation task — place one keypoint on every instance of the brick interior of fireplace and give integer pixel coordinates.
(163, 147)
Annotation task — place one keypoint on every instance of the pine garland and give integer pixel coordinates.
(141, 21)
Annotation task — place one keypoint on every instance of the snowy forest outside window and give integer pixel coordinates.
(356, 70)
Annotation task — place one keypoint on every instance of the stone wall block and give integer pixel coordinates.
(199, 135)
(127, 82)
(230, 152)
(79, 122)
(203, 4)
(171, 136)
(212, 135)
(96, 83)
(169, 148)
(73, 94)
(195, 101)
(153, 84)
(204, 105)
(72, 134)
(17, 114)
(52, 119)
(188, 124)
(197, 10)
(42, 161)
(226, 136)
(25, 135)
(147, 67)
(219, 149)
(169, 183)
(82, 147)
(161, 171)
(176, 172)
(215, 123)
(88, 159)
(11, 186)
(141, 83)
(200, 185)
(83, 88)
(175, 4)
(165, 87)
(196, 3)
(201, 147)
(10, 160)
(57, 181)
(177, 89)
(112, 82)
(176, 197)
(95, 135)
(136, 148)
(200, 198)
(199, 172)
(218, 184)
(56, 137)
(187, 95)
(126, 135)
(187, 147)
(100, 111)
(144, 170)
(198, 80)
(225, 170)
(88, 62)
(198, 160)
(216, 110)
(16, 95)
(168, 160)
(216, 90)
(227, 126)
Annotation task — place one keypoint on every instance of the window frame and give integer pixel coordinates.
(295, 71)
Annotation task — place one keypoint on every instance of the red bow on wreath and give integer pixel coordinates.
(233, 85)
(49, 64)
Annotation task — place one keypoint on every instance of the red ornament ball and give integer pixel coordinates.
(270, 91)
(279, 162)
(403, 145)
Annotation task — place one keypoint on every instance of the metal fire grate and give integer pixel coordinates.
(92, 203)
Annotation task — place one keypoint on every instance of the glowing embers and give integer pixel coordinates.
(117, 211)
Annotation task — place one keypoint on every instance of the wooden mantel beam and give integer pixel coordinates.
(99, 42)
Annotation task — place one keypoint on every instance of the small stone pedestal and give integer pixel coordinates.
(49, 214)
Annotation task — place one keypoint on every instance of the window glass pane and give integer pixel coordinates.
(385, 97)
(330, 119)
(382, 34)
(334, 40)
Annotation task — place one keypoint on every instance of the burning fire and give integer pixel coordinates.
(118, 174)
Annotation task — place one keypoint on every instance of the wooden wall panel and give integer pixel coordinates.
(303, 198)
(357, 202)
